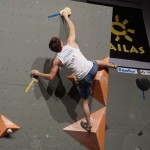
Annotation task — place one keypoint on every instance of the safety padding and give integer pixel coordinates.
(6, 124)
(93, 140)
(100, 86)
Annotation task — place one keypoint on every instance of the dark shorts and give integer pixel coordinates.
(85, 83)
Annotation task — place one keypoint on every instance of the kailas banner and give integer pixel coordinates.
(129, 45)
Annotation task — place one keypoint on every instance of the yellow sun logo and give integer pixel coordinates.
(123, 31)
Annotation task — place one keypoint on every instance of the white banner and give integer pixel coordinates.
(145, 72)
(127, 70)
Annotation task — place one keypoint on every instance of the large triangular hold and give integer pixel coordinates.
(6, 125)
(100, 87)
(95, 139)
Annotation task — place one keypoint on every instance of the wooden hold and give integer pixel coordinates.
(6, 126)
(95, 139)
(100, 87)
(100, 84)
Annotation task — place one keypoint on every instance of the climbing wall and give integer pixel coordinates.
(128, 117)
(48, 106)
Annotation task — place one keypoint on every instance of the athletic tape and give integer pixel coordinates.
(53, 15)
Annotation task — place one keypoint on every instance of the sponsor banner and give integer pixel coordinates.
(128, 38)
(127, 70)
(145, 72)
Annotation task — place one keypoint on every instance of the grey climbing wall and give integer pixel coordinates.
(48, 106)
(128, 117)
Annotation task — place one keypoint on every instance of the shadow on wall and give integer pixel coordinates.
(54, 92)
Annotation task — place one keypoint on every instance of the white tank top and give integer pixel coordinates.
(73, 59)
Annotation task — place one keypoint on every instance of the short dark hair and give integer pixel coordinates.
(55, 44)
